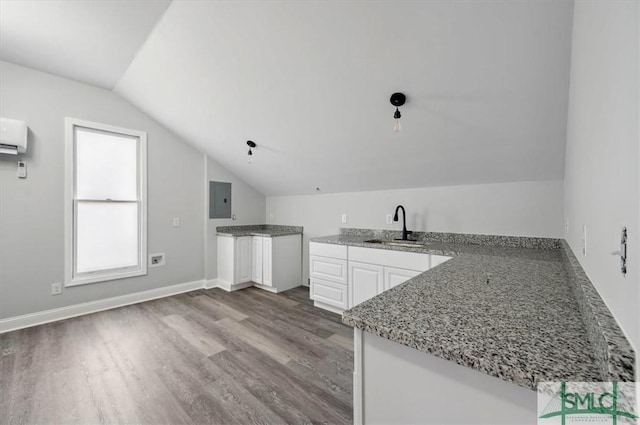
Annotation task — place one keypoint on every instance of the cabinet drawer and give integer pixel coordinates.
(328, 250)
(325, 268)
(330, 293)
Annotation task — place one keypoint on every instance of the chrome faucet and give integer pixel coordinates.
(405, 232)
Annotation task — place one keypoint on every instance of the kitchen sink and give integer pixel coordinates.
(397, 242)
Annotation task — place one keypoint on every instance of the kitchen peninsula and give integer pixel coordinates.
(483, 328)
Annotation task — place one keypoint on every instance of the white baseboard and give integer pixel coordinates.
(53, 315)
(227, 286)
(212, 283)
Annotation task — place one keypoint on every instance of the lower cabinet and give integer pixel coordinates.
(271, 263)
(342, 277)
(365, 281)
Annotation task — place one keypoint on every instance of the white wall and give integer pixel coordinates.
(516, 209)
(602, 153)
(247, 204)
(31, 210)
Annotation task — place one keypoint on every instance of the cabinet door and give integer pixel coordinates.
(365, 281)
(256, 255)
(243, 259)
(394, 276)
(267, 261)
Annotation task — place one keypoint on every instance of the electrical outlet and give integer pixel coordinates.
(156, 260)
(176, 222)
(389, 219)
(344, 218)
(56, 288)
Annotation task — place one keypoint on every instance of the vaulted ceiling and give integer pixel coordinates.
(309, 81)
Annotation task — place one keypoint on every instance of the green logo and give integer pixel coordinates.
(590, 399)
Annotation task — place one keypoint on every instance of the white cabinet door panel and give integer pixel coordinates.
(243, 259)
(394, 277)
(365, 281)
(256, 255)
(325, 268)
(267, 261)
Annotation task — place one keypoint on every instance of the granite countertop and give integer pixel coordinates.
(269, 230)
(507, 311)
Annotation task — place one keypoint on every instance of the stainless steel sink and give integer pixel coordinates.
(398, 242)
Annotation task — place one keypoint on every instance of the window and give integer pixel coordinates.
(105, 202)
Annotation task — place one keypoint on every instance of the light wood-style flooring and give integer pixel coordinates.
(204, 357)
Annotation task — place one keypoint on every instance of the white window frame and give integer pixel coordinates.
(70, 205)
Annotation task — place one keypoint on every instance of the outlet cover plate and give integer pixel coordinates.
(156, 260)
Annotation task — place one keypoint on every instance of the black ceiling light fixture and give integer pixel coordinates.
(397, 100)
(250, 153)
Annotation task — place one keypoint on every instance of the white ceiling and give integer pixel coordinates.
(91, 41)
(309, 81)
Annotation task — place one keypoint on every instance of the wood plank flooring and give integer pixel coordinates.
(205, 357)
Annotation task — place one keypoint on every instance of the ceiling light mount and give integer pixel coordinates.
(251, 145)
(397, 100)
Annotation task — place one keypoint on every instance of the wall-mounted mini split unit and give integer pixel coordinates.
(13, 136)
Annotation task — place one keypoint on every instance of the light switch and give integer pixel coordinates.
(344, 218)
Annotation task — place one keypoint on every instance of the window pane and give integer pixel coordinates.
(107, 236)
(105, 165)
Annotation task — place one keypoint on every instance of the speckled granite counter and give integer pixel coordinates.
(507, 311)
(269, 230)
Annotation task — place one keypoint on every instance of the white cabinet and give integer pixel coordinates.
(394, 277)
(342, 277)
(271, 263)
(365, 281)
(277, 265)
